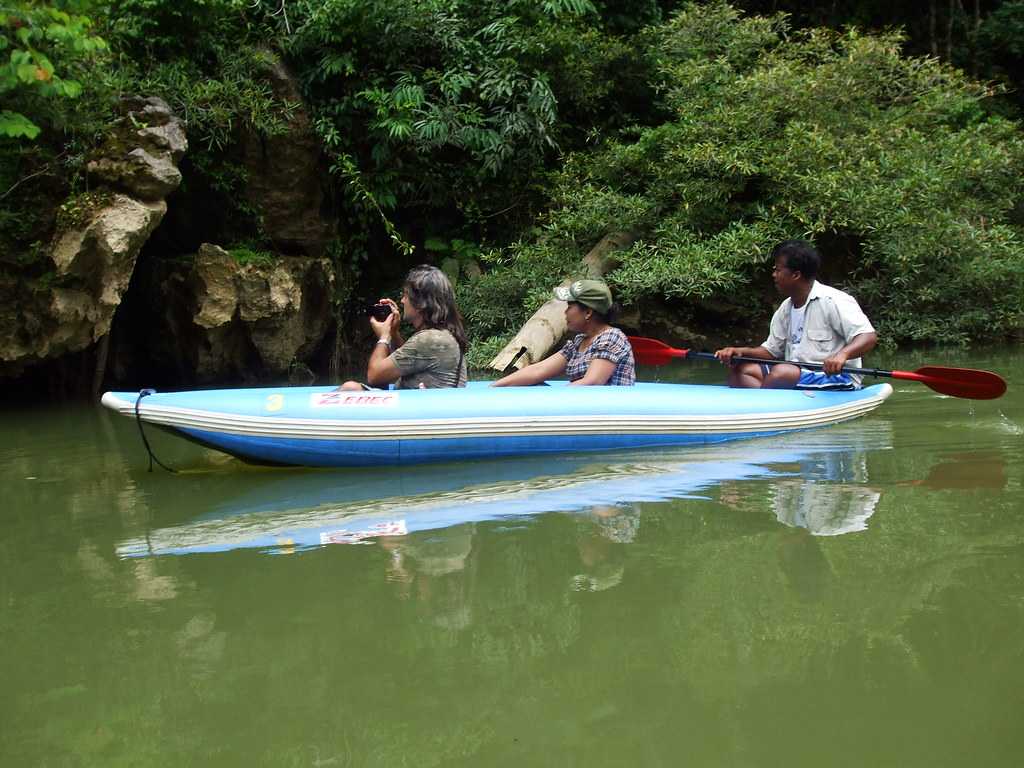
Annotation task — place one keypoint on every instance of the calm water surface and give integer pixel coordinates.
(849, 596)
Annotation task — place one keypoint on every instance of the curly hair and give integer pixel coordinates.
(430, 291)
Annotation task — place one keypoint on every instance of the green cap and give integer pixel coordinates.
(591, 293)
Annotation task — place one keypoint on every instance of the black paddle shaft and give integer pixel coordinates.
(813, 366)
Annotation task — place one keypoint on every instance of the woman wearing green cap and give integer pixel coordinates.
(597, 354)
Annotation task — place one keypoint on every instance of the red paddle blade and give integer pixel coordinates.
(957, 382)
(653, 352)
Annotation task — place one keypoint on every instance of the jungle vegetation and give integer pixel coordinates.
(501, 139)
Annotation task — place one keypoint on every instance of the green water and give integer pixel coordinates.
(850, 596)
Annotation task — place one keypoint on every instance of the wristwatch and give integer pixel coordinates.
(386, 342)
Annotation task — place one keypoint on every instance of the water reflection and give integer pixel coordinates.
(805, 570)
(603, 532)
(588, 635)
(965, 471)
(817, 481)
(829, 494)
(429, 568)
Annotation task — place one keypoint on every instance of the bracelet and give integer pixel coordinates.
(386, 342)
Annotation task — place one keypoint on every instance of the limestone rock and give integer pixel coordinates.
(62, 299)
(161, 129)
(284, 173)
(93, 264)
(217, 297)
(140, 156)
(257, 321)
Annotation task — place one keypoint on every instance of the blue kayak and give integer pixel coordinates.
(321, 427)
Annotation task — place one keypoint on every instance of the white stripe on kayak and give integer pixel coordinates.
(493, 426)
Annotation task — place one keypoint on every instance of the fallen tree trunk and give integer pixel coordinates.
(546, 326)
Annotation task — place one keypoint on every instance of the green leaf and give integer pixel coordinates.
(27, 73)
(71, 88)
(16, 125)
(45, 64)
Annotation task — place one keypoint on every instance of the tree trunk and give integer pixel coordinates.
(546, 327)
(949, 30)
(975, 40)
(932, 39)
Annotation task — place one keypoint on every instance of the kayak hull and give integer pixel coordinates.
(318, 427)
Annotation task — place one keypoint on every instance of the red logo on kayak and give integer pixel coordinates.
(353, 399)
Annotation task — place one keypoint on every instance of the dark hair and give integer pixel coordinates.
(608, 317)
(799, 256)
(431, 293)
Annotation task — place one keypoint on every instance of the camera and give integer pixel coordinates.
(379, 311)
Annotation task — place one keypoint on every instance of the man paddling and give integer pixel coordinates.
(815, 324)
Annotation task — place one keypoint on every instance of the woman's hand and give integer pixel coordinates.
(387, 328)
(383, 329)
(535, 373)
(395, 309)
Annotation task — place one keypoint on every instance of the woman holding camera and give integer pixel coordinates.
(435, 355)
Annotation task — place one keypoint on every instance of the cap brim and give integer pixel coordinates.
(562, 292)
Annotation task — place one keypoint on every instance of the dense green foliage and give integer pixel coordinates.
(983, 37)
(511, 135)
(32, 37)
(891, 161)
(450, 112)
(52, 111)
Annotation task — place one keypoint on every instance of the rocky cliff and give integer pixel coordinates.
(87, 266)
(216, 320)
(283, 172)
(102, 302)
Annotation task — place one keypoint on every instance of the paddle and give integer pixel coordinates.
(957, 382)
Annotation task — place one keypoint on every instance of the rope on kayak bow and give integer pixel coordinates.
(145, 442)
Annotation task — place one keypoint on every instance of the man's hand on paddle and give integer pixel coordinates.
(833, 365)
(726, 354)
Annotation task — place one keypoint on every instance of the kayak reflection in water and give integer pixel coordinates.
(785, 478)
